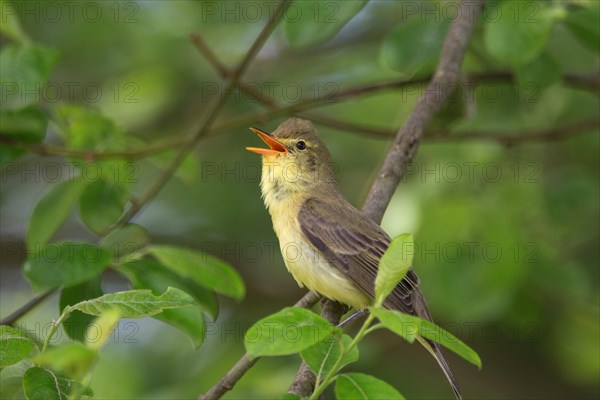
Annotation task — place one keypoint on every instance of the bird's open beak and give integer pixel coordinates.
(275, 147)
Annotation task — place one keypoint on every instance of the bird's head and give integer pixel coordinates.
(296, 160)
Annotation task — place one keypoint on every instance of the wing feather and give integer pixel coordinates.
(354, 244)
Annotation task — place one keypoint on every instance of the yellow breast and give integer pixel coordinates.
(308, 267)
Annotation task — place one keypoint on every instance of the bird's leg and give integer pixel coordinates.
(353, 316)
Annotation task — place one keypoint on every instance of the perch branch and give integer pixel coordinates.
(227, 382)
(406, 142)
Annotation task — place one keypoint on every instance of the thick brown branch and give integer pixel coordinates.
(227, 382)
(304, 382)
(408, 138)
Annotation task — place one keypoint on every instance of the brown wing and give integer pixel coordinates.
(354, 244)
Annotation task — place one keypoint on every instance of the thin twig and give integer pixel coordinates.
(212, 114)
(405, 145)
(236, 372)
(511, 139)
(584, 82)
(25, 308)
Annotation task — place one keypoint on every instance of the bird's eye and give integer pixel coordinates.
(301, 145)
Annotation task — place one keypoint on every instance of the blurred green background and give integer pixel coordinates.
(507, 236)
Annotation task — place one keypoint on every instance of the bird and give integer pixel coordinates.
(327, 244)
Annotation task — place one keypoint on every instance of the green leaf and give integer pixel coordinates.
(189, 320)
(136, 303)
(101, 204)
(394, 265)
(288, 331)
(23, 70)
(322, 356)
(88, 129)
(206, 270)
(401, 324)
(11, 380)
(127, 241)
(541, 73)
(100, 330)
(14, 345)
(520, 32)
(414, 46)
(365, 387)
(410, 327)
(290, 396)
(584, 23)
(77, 324)
(51, 211)
(308, 23)
(25, 125)
(66, 264)
(43, 384)
(74, 359)
(150, 274)
(10, 24)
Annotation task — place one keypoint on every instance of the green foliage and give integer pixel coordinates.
(149, 274)
(585, 25)
(51, 211)
(135, 303)
(65, 264)
(72, 359)
(411, 327)
(364, 387)
(413, 47)
(550, 189)
(323, 356)
(204, 269)
(43, 384)
(101, 204)
(77, 324)
(288, 331)
(24, 69)
(520, 33)
(542, 72)
(9, 23)
(311, 23)
(14, 346)
(27, 125)
(127, 241)
(393, 266)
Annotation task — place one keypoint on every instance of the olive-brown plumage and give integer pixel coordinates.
(327, 244)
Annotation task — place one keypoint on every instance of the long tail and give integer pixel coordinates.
(434, 349)
(421, 309)
(414, 303)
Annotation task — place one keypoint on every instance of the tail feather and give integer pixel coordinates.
(417, 306)
(434, 349)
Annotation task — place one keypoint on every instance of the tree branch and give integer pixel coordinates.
(25, 308)
(407, 140)
(212, 114)
(236, 372)
(304, 382)
(511, 139)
